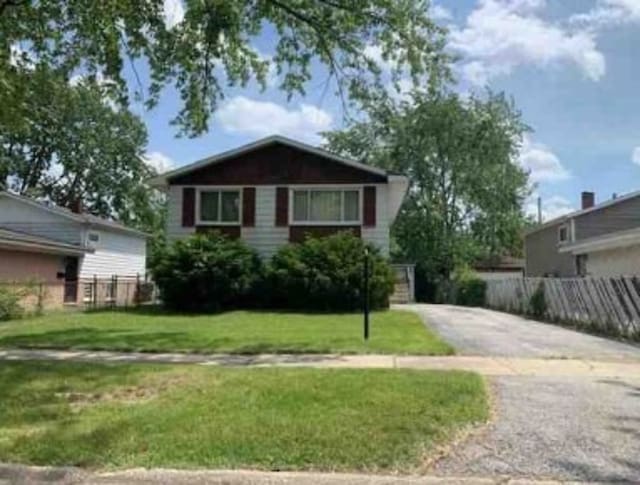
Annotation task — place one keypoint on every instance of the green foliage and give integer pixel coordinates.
(71, 146)
(210, 49)
(326, 274)
(538, 302)
(205, 273)
(467, 189)
(10, 303)
(469, 289)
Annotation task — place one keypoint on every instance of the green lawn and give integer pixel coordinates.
(248, 332)
(121, 416)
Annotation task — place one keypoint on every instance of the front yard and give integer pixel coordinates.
(245, 332)
(121, 416)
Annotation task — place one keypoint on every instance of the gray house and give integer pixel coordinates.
(597, 240)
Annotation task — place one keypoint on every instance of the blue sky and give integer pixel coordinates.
(570, 65)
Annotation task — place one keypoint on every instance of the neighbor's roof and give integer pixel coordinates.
(81, 218)
(597, 207)
(613, 240)
(10, 238)
(161, 180)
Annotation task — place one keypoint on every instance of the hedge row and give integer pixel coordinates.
(211, 272)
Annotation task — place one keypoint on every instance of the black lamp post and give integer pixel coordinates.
(366, 294)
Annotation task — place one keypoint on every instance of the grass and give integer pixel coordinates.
(120, 416)
(243, 332)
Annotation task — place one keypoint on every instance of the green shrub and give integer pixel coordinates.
(326, 274)
(205, 273)
(10, 304)
(468, 288)
(538, 302)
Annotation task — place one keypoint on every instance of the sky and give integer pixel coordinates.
(572, 68)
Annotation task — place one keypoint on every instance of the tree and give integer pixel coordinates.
(467, 189)
(210, 48)
(75, 147)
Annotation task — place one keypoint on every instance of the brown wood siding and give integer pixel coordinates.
(249, 206)
(277, 164)
(298, 234)
(232, 232)
(369, 207)
(188, 207)
(282, 206)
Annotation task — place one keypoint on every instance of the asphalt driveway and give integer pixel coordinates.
(478, 331)
(555, 427)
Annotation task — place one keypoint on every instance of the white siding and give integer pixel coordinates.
(115, 254)
(265, 237)
(379, 235)
(174, 215)
(24, 217)
(615, 262)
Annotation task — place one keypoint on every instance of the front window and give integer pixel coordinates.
(563, 234)
(326, 206)
(220, 206)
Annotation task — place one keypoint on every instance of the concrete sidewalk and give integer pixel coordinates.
(11, 474)
(488, 366)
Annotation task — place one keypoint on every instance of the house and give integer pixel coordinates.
(276, 191)
(61, 248)
(597, 240)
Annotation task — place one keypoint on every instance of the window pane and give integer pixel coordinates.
(230, 206)
(300, 205)
(351, 205)
(209, 206)
(325, 206)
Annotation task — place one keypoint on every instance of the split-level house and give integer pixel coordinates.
(597, 240)
(278, 191)
(64, 249)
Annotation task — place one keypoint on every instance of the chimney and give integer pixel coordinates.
(76, 205)
(588, 200)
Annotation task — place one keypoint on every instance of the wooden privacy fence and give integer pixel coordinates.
(610, 305)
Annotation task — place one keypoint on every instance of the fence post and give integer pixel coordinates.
(136, 293)
(114, 291)
(95, 291)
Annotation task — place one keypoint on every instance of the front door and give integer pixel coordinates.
(71, 280)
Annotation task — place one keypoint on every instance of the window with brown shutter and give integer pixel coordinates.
(282, 206)
(369, 206)
(249, 206)
(188, 206)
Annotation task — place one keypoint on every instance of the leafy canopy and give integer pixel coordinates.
(212, 48)
(71, 146)
(467, 189)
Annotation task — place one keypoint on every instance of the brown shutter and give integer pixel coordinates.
(369, 209)
(249, 206)
(282, 206)
(188, 207)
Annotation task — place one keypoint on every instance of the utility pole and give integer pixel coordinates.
(366, 294)
(539, 210)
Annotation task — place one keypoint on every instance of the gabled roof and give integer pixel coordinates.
(10, 238)
(80, 218)
(578, 213)
(162, 179)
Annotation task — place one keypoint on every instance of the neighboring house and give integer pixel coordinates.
(60, 247)
(598, 240)
(499, 268)
(276, 191)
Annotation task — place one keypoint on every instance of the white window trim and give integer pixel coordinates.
(327, 188)
(220, 188)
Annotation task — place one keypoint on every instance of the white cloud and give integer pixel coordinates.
(552, 207)
(158, 161)
(262, 118)
(635, 155)
(608, 13)
(173, 12)
(542, 164)
(438, 12)
(501, 35)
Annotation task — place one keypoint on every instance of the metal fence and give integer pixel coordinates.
(608, 305)
(84, 293)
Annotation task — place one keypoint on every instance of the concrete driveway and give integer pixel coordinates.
(478, 331)
(547, 427)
